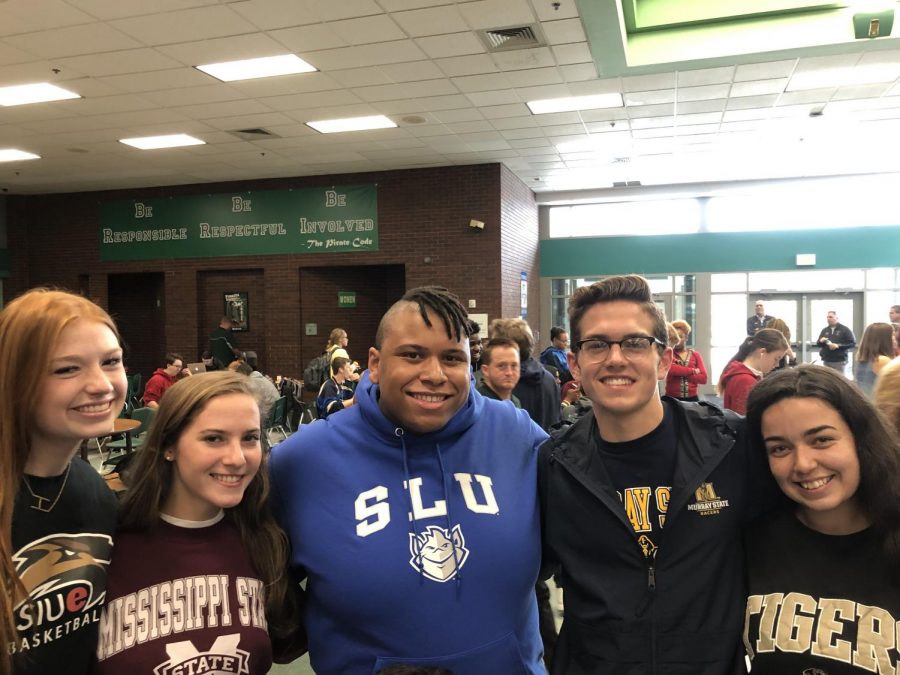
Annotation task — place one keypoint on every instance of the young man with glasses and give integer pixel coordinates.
(642, 503)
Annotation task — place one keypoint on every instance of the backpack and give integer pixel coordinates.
(316, 372)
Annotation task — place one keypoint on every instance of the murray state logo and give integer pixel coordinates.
(433, 552)
(223, 658)
(707, 502)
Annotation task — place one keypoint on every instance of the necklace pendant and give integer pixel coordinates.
(40, 504)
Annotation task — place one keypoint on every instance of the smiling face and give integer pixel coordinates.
(623, 390)
(812, 455)
(215, 458)
(83, 390)
(423, 375)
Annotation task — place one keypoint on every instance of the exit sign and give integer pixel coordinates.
(346, 298)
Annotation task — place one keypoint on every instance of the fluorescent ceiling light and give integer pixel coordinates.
(11, 155)
(569, 103)
(39, 92)
(351, 124)
(249, 69)
(157, 142)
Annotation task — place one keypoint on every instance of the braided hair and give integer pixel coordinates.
(437, 300)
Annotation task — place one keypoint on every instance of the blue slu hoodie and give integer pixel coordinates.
(451, 587)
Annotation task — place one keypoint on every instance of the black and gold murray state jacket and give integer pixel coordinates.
(676, 608)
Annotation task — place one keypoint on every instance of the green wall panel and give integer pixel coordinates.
(720, 252)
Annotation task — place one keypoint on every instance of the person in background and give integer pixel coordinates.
(758, 355)
(887, 393)
(876, 349)
(337, 346)
(687, 369)
(640, 597)
(555, 354)
(262, 386)
(475, 348)
(222, 342)
(200, 500)
(61, 382)
(537, 390)
(211, 362)
(789, 360)
(759, 319)
(836, 341)
(334, 394)
(500, 371)
(413, 514)
(163, 378)
(894, 314)
(831, 556)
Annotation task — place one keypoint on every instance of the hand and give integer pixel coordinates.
(823, 340)
(186, 372)
(832, 346)
(696, 371)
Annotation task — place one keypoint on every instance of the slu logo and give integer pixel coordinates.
(433, 552)
(708, 502)
(223, 658)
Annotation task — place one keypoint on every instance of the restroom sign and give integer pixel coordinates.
(346, 298)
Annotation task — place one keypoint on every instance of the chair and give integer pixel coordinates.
(275, 423)
(145, 417)
(135, 393)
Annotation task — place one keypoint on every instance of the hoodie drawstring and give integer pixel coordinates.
(413, 528)
(458, 576)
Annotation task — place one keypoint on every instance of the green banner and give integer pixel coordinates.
(305, 220)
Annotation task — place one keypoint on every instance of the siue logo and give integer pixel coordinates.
(437, 553)
(222, 658)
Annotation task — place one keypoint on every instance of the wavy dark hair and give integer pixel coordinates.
(628, 288)
(265, 542)
(877, 444)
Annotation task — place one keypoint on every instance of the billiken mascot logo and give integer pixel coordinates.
(437, 553)
(64, 576)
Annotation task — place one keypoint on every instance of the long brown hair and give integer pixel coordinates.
(265, 543)
(768, 338)
(30, 327)
(877, 340)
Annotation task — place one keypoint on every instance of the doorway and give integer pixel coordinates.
(804, 313)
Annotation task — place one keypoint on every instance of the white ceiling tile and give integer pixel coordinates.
(651, 110)
(389, 92)
(862, 91)
(190, 95)
(572, 53)
(10, 55)
(497, 13)
(477, 83)
(698, 118)
(704, 93)
(554, 119)
(511, 110)
(379, 28)
(221, 109)
(73, 41)
(649, 97)
(537, 77)
(652, 122)
(770, 70)
(705, 76)
(429, 104)
(530, 143)
(525, 59)
(648, 82)
(367, 55)
(459, 115)
(34, 15)
(432, 21)
(611, 117)
(563, 31)
(459, 66)
(521, 132)
(360, 77)
(758, 87)
(304, 40)
(690, 107)
(117, 63)
(184, 26)
(266, 120)
(412, 71)
(454, 44)
(578, 72)
(285, 85)
(470, 127)
(214, 50)
(512, 124)
(110, 104)
(273, 14)
(490, 98)
(160, 79)
(747, 114)
(807, 96)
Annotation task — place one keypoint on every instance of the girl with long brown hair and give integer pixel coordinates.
(61, 381)
(199, 565)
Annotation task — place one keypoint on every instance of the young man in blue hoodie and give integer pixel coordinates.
(413, 515)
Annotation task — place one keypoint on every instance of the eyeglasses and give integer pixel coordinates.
(633, 346)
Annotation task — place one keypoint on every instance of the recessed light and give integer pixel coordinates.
(12, 155)
(250, 69)
(570, 103)
(158, 142)
(39, 92)
(351, 124)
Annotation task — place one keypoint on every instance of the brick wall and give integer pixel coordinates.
(424, 238)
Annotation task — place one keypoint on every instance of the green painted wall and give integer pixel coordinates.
(720, 252)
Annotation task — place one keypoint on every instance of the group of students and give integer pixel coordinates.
(421, 517)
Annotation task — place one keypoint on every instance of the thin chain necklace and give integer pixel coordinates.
(41, 500)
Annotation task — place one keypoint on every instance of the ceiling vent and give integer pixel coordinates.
(508, 39)
(626, 183)
(253, 134)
